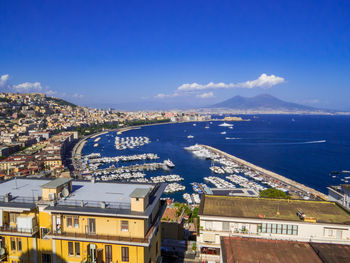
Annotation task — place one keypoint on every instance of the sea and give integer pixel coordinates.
(306, 149)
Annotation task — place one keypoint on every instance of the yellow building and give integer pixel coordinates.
(63, 220)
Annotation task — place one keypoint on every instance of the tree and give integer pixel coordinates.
(273, 193)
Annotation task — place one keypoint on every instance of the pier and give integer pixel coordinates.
(293, 185)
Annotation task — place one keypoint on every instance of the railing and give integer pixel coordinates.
(94, 236)
(29, 231)
(19, 199)
(95, 204)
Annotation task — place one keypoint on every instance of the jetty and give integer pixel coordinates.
(293, 185)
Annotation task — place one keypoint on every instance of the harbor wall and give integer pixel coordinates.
(267, 172)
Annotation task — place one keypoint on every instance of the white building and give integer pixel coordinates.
(280, 219)
(340, 194)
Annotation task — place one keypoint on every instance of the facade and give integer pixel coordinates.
(79, 221)
(340, 194)
(278, 219)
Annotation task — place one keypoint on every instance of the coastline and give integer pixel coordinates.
(266, 172)
(76, 153)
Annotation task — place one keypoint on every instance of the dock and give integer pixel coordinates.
(291, 183)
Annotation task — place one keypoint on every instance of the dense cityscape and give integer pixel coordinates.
(174, 131)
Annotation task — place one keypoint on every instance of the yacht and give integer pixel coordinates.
(223, 132)
(190, 136)
(169, 163)
(225, 124)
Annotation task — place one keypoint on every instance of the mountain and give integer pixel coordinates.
(263, 103)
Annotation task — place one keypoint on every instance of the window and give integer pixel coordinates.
(13, 217)
(124, 225)
(70, 249)
(69, 221)
(92, 225)
(13, 244)
(108, 253)
(278, 229)
(19, 244)
(76, 222)
(77, 248)
(225, 226)
(44, 231)
(125, 254)
(45, 258)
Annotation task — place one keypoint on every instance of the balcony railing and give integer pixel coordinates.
(17, 230)
(93, 236)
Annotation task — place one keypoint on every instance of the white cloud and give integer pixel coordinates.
(163, 96)
(28, 87)
(264, 81)
(3, 80)
(205, 95)
(50, 92)
(78, 96)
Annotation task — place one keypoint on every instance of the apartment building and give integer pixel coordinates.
(340, 194)
(277, 219)
(63, 220)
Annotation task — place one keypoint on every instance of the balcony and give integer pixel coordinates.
(16, 231)
(93, 237)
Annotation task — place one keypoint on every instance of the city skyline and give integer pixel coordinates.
(197, 53)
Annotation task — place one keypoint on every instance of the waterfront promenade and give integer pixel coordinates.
(291, 183)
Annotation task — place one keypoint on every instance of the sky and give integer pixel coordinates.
(144, 54)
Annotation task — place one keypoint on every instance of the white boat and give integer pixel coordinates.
(96, 144)
(207, 126)
(230, 127)
(223, 132)
(225, 124)
(190, 136)
(194, 124)
(169, 163)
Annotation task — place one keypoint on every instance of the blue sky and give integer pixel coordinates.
(138, 53)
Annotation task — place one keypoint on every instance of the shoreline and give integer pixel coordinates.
(76, 153)
(268, 173)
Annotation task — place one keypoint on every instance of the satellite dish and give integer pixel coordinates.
(65, 192)
(2, 251)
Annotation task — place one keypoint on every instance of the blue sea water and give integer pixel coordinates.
(303, 148)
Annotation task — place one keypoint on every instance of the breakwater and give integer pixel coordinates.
(294, 187)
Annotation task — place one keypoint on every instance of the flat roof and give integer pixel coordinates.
(252, 250)
(264, 208)
(56, 183)
(91, 193)
(140, 192)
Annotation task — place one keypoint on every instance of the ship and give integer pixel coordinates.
(190, 136)
(225, 124)
(223, 132)
(169, 163)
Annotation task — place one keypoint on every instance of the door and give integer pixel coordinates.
(108, 252)
(92, 226)
(92, 253)
(99, 256)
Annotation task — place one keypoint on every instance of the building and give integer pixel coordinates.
(340, 194)
(252, 250)
(79, 221)
(278, 219)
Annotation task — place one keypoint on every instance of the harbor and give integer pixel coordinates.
(277, 181)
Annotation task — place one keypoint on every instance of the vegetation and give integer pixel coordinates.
(274, 193)
(61, 102)
(110, 126)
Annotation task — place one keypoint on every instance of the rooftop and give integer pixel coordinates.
(238, 249)
(227, 206)
(56, 183)
(115, 195)
(139, 192)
